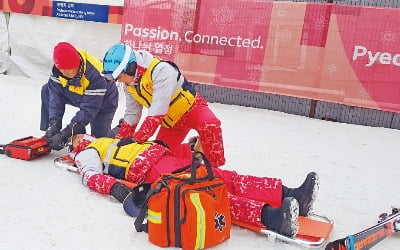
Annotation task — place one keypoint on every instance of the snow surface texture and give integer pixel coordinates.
(43, 207)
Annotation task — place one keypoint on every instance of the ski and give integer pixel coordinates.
(387, 225)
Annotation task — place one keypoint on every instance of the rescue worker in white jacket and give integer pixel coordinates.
(172, 103)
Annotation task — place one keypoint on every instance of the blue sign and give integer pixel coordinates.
(81, 11)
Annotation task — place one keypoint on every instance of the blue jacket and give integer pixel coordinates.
(88, 91)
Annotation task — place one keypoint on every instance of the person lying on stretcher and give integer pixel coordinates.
(253, 200)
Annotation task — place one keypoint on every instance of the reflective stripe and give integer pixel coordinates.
(201, 220)
(106, 161)
(154, 217)
(95, 92)
(53, 78)
(184, 175)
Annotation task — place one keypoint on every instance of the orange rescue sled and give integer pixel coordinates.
(313, 232)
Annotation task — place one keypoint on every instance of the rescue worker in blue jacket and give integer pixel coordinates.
(76, 80)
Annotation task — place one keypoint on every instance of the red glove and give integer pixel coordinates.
(149, 126)
(126, 130)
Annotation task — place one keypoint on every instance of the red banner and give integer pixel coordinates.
(336, 53)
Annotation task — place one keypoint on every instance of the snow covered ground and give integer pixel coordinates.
(43, 207)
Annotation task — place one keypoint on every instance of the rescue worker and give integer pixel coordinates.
(76, 80)
(253, 200)
(173, 104)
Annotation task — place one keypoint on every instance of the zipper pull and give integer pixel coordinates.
(212, 193)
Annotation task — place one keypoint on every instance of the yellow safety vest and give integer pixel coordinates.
(86, 57)
(114, 157)
(181, 101)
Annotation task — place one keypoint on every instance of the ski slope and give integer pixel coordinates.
(43, 207)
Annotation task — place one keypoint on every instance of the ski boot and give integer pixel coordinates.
(284, 219)
(305, 194)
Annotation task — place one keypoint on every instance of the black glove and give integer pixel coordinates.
(58, 141)
(125, 141)
(119, 191)
(114, 131)
(78, 128)
(54, 128)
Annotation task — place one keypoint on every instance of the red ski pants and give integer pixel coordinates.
(248, 194)
(208, 126)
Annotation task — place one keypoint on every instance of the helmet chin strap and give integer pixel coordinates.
(86, 140)
(123, 63)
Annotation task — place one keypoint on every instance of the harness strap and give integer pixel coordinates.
(108, 156)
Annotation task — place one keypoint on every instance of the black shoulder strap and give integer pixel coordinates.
(182, 169)
(139, 225)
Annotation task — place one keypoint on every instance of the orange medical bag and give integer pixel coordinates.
(187, 209)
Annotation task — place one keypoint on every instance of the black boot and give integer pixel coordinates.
(134, 202)
(283, 219)
(305, 194)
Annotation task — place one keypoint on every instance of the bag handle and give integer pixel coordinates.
(196, 164)
(182, 169)
(23, 139)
